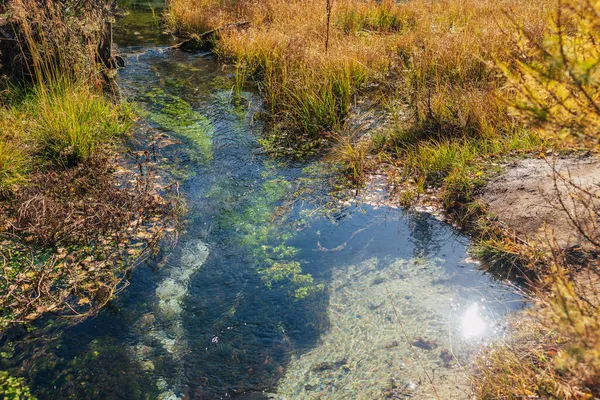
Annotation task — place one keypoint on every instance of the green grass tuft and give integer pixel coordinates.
(13, 165)
(69, 123)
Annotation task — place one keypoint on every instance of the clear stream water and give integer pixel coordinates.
(270, 292)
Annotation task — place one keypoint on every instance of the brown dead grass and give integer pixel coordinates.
(69, 236)
(553, 351)
(437, 56)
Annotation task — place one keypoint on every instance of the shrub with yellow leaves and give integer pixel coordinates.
(558, 80)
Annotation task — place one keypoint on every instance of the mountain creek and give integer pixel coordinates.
(275, 289)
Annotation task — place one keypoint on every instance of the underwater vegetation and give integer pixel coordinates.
(173, 114)
(266, 234)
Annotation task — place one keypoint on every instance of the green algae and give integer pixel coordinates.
(267, 236)
(141, 27)
(51, 373)
(176, 115)
(13, 388)
(83, 377)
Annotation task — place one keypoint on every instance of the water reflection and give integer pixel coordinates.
(422, 235)
(394, 298)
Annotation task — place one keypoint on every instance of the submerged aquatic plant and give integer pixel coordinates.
(266, 235)
(13, 388)
(176, 115)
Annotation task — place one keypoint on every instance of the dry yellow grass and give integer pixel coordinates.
(553, 352)
(58, 39)
(438, 56)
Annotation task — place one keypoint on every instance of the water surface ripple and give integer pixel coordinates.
(264, 297)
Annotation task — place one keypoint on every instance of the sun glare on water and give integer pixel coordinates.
(472, 324)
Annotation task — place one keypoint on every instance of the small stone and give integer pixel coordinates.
(447, 358)
(425, 344)
(147, 321)
(329, 365)
(393, 344)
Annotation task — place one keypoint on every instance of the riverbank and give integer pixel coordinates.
(465, 87)
(274, 290)
(431, 71)
(548, 208)
(77, 212)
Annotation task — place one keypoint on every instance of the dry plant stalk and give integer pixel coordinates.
(56, 39)
(328, 8)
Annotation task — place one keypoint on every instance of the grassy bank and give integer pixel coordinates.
(59, 123)
(555, 353)
(438, 71)
(464, 85)
(432, 56)
(433, 67)
(75, 217)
